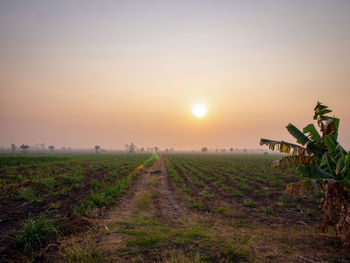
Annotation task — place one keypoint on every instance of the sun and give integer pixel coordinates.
(199, 110)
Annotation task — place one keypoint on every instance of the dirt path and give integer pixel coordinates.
(135, 204)
(169, 208)
(150, 199)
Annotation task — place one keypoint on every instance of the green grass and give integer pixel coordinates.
(72, 178)
(48, 183)
(206, 193)
(26, 193)
(233, 253)
(267, 210)
(221, 209)
(35, 233)
(284, 201)
(237, 193)
(150, 160)
(196, 204)
(30, 195)
(173, 173)
(145, 235)
(18, 160)
(249, 202)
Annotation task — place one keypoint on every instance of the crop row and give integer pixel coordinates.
(244, 181)
(61, 189)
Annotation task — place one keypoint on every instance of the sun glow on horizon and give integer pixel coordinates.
(199, 110)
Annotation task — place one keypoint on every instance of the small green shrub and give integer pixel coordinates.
(35, 233)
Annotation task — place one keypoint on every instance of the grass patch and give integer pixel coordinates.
(144, 201)
(69, 178)
(249, 203)
(35, 234)
(206, 193)
(233, 253)
(196, 204)
(237, 193)
(29, 194)
(267, 210)
(48, 183)
(86, 252)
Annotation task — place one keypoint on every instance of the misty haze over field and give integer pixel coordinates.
(82, 73)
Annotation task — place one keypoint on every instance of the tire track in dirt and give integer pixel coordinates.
(164, 206)
(124, 212)
(150, 196)
(169, 208)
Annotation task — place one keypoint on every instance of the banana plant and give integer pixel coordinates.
(324, 164)
(317, 155)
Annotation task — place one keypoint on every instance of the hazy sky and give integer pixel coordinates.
(80, 73)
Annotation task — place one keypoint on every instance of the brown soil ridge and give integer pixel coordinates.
(169, 208)
(153, 183)
(126, 210)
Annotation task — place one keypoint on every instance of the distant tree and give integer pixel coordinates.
(132, 148)
(13, 147)
(172, 149)
(142, 149)
(24, 147)
(156, 149)
(51, 148)
(42, 146)
(204, 149)
(127, 147)
(231, 150)
(97, 148)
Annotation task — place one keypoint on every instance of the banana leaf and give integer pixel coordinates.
(293, 161)
(312, 133)
(327, 164)
(314, 172)
(297, 134)
(282, 146)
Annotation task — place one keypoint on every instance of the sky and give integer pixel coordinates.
(81, 73)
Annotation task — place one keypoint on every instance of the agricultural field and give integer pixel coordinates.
(58, 192)
(158, 208)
